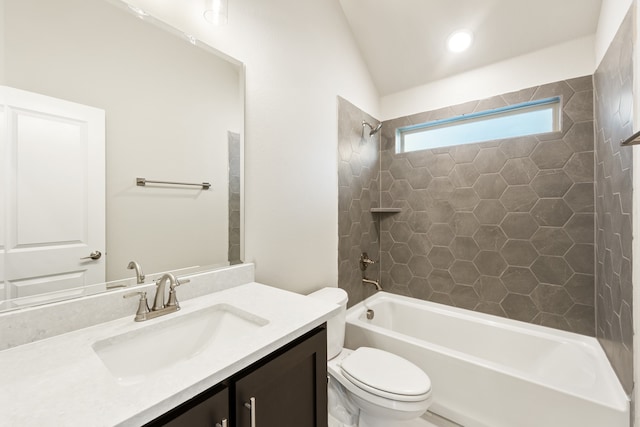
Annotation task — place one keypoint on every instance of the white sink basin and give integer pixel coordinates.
(133, 355)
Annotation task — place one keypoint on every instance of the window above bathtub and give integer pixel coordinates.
(529, 118)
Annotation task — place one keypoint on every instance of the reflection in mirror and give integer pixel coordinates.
(173, 110)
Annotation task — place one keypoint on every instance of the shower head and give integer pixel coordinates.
(373, 130)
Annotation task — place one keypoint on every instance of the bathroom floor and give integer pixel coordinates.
(427, 420)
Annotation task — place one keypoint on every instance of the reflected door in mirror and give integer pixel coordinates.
(53, 194)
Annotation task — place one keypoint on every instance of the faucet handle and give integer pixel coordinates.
(365, 261)
(143, 307)
(182, 281)
(133, 294)
(173, 299)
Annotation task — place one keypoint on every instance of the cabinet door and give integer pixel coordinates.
(208, 409)
(289, 390)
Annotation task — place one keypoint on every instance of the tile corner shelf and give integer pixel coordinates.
(386, 210)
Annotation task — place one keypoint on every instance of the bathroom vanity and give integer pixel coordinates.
(250, 349)
(285, 389)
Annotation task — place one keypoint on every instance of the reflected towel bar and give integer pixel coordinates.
(143, 181)
(632, 140)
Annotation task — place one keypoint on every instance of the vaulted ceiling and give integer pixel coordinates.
(404, 41)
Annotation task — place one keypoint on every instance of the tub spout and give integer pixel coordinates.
(372, 282)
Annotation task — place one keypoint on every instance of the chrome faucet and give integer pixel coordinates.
(139, 274)
(158, 301)
(159, 307)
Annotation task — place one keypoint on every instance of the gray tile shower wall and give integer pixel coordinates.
(613, 86)
(503, 227)
(358, 171)
(234, 198)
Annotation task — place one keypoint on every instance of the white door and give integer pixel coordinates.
(53, 194)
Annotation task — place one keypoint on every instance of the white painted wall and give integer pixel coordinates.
(612, 12)
(2, 44)
(560, 62)
(299, 56)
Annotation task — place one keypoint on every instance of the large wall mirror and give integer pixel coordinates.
(173, 111)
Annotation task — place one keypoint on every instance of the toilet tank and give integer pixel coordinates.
(335, 325)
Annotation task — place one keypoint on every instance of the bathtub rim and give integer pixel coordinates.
(617, 399)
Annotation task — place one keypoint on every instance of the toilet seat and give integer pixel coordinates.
(386, 375)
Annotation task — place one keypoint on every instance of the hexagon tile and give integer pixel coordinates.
(358, 181)
(613, 86)
(504, 227)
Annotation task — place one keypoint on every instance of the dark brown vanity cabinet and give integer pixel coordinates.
(210, 409)
(288, 388)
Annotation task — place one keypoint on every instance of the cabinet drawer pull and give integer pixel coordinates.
(251, 405)
(225, 423)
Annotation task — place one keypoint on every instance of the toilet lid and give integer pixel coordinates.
(384, 373)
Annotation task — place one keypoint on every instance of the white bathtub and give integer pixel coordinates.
(487, 371)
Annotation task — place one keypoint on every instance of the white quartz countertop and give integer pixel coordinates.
(61, 381)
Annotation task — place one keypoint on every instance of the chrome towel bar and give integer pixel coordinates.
(632, 140)
(143, 181)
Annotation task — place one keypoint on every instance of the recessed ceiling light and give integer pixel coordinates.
(459, 40)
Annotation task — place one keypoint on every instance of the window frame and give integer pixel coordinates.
(537, 105)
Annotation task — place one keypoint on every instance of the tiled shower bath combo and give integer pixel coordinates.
(535, 228)
(503, 227)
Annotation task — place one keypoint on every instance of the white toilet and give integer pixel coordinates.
(387, 389)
